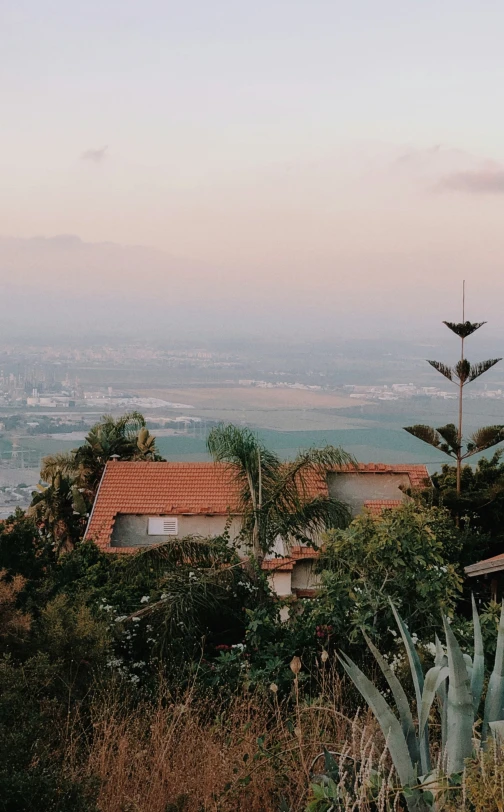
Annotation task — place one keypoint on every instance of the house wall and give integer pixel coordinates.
(304, 575)
(281, 583)
(131, 531)
(355, 489)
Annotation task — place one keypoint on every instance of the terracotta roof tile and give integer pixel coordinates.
(418, 474)
(304, 553)
(160, 488)
(377, 506)
(278, 564)
(164, 488)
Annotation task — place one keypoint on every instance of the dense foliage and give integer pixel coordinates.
(103, 656)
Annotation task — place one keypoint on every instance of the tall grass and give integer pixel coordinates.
(251, 753)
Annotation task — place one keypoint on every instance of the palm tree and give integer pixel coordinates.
(126, 437)
(59, 510)
(275, 498)
(203, 588)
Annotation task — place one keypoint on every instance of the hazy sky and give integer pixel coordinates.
(332, 159)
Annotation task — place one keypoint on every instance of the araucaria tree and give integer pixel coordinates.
(449, 438)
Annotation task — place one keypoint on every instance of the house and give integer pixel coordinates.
(139, 504)
(491, 570)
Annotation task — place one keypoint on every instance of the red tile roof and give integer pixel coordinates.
(304, 553)
(418, 474)
(164, 488)
(377, 506)
(286, 563)
(278, 564)
(160, 488)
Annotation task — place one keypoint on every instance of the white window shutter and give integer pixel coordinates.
(162, 526)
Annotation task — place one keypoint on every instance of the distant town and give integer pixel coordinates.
(50, 395)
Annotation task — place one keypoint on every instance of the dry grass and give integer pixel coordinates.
(14, 624)
(193, 754)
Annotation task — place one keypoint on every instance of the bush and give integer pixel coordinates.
(404, 555)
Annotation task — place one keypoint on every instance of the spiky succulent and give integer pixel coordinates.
(457, 682)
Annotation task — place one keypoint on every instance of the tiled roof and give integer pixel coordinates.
(286, 563)
(278, 564)
(377, 506)
(160, 488)
(164, 488)
(304, 553)
(418, 474)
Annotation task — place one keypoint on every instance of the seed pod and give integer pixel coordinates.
(295, 666)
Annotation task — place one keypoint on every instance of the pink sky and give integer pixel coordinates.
(323, 155)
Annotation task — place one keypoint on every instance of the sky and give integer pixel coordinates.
(281, 164)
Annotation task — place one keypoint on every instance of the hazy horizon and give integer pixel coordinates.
(315, 170)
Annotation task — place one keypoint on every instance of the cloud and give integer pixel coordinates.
(95, 155)
(478, 182)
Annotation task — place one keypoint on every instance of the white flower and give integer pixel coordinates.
(145, 599)
(120, 618)
(136, 619)
(431, 648)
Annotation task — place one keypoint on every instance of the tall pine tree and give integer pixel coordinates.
(449, 438)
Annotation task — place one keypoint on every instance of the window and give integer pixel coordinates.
(162, 526)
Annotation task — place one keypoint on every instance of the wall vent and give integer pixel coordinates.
(162, 526)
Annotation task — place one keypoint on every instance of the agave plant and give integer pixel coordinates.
(456, 680)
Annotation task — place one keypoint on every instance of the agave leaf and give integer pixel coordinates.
(387, 720)
(460, 714)
(497, 729)
(469, 665)
(494, 703)
(401, 701)
(442, 659)
(478, 671)
(418, 682)
(433, 679)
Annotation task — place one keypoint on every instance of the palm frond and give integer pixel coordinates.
(442, 368)
(297, 476)
(192, 600)
(484, 438)
(465, 328)
(310, 519)
(62, 463)
(196, 551)
(483, 366)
